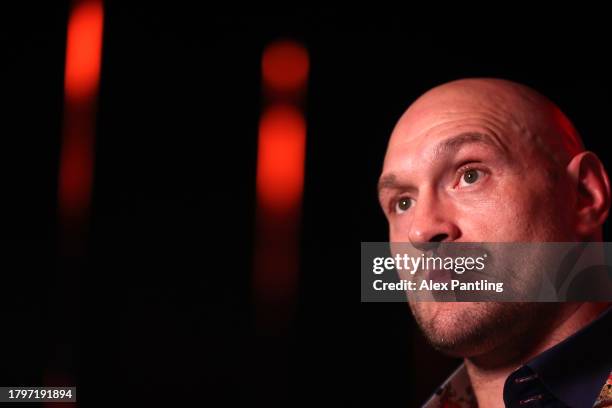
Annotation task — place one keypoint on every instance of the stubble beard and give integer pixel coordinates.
(471, 329)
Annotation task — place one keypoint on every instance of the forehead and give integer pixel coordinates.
(434, 115)
(424, 136)
(515, 119)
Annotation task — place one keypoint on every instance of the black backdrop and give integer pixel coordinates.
(162, 308)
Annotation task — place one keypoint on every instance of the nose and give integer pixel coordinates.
(432, 222)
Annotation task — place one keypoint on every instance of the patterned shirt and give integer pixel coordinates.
(575, 373)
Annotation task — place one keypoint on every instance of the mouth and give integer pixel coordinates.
(439, 275)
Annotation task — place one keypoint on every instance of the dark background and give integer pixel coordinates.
(162, 308)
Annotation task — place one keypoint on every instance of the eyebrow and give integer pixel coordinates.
(452, 144)
(456, 142)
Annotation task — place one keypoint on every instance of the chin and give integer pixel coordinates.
(467, 329)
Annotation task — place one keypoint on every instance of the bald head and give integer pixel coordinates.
(512, 111)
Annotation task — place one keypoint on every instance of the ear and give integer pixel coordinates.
(592, 189)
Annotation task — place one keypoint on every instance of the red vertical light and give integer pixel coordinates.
(279, 181)
(84, 50)
(75, 179)
(280, 158)
(285, 66)
(82, 75)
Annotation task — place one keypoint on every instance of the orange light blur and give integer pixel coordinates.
(280, 158)
(285, 66)
(83, 56)
(84, 49)
(280, 183)
(76, 173)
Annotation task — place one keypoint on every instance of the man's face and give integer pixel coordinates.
(464, 167)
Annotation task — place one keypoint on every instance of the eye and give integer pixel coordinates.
(470, 176)
(402, 205)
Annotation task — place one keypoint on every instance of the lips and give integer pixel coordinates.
(439, 275)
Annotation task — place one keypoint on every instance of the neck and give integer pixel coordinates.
(488, 379)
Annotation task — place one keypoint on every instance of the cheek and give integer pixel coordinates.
(398, 229)
(547, 210)
(496, 214)
(480, 220)
(514, 211)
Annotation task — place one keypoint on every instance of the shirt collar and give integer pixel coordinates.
(575, 369)
(572, 371)
(455, 392)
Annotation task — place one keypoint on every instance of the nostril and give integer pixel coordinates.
(439, 238)
(432, 244)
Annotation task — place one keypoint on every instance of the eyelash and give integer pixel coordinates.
(467, 167)
(460, 172)
(394, 203)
